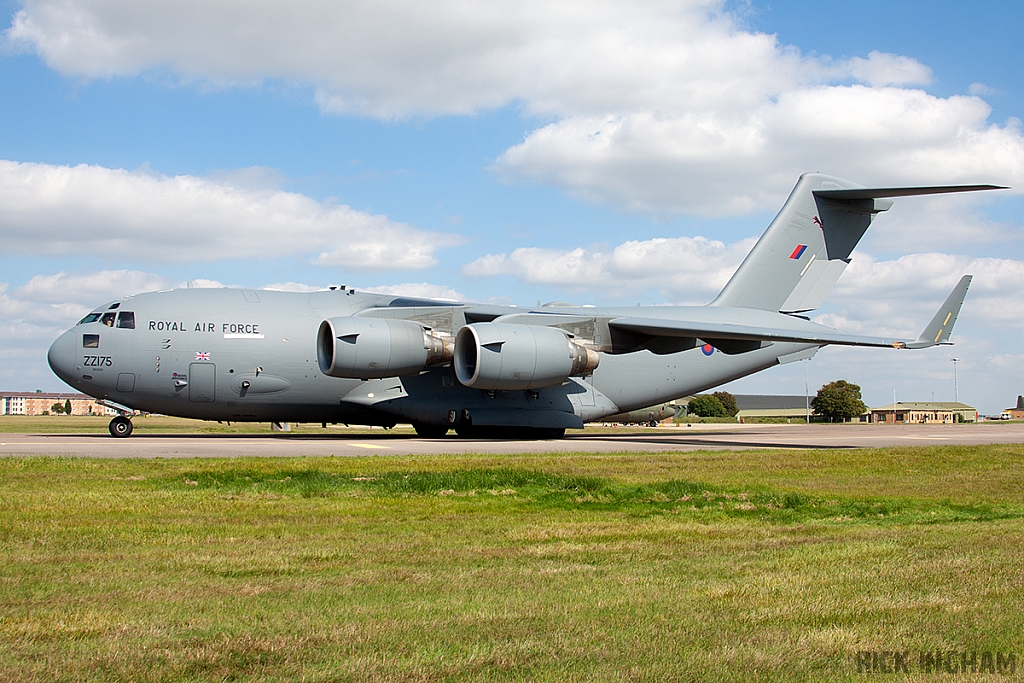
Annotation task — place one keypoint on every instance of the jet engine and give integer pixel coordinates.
(503, 356)
(370, 348)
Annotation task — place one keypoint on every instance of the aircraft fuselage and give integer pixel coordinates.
(250, 355)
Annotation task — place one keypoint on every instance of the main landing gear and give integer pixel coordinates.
(428, 431)
(120, 427)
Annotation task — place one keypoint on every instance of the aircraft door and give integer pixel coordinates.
(202, 382)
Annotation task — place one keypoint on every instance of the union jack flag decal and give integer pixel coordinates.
(202, 355)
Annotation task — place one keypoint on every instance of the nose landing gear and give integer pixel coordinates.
(120, 427)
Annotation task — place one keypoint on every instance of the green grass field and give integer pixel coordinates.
(717, 566)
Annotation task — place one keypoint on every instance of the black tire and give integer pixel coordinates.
(551, 433)
(468, 432)
(428, 431)
(120, 427)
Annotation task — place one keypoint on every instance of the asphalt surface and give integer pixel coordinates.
(660, 439)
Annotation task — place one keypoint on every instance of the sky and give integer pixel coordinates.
(605, 153)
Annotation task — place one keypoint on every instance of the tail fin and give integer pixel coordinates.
(801, 255)
(940, 327)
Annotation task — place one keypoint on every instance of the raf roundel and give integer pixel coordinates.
(708, 349)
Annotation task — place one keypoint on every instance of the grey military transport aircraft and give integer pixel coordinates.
(344, 356)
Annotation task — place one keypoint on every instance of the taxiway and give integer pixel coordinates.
(696, 437)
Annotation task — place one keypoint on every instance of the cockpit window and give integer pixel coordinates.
(113, 306)
(91, 318)
(90, 341)
(126, 320)
(108, 319)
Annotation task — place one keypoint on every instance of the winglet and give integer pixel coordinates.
(941, 326)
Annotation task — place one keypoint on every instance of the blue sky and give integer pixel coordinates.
(607, 153)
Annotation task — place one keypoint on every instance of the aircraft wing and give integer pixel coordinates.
(730, 337)
(714, 332)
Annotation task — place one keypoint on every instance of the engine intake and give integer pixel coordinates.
(368, 348)
(503, 356)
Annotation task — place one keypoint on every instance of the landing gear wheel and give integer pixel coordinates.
(120, 427)
(467, 432)
(430, 431)
(551, 433)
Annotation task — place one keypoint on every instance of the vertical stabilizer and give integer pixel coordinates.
(803, 252)
(807, 247)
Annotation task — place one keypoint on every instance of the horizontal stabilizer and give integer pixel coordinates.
(885, 192)
(940, 327)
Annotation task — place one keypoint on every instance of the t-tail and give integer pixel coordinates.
(801, 255)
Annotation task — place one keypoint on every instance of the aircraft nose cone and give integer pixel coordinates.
(62, 356)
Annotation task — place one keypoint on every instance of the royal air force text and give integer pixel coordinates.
(225, 328)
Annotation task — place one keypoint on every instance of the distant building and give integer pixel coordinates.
(39, 402)
(765, 406)
(906, 412)
(1017, 412)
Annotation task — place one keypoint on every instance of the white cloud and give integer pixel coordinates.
(59, 300)
(690, 269)
(941, 223)
(882, 68)
(401, 56)
(58, 210)
(733, 162)
(418, 290)
(661, 107)
(292, 287)
(902, 294)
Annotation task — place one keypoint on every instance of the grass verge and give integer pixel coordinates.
(695, 566)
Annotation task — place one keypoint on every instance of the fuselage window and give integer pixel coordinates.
(90, 341)
(126, 320)
(91, 318)
(108, 319)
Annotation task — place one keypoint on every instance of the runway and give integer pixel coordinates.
(661, 439)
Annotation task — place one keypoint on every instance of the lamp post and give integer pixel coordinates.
(807, 394)
(956, 388)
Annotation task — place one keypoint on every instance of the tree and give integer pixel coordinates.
(838, 400)
(706, 405)
(728, 402)
(67, 407)
(57, 408)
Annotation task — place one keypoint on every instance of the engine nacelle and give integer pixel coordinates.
(371, 348)
(504, 356)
